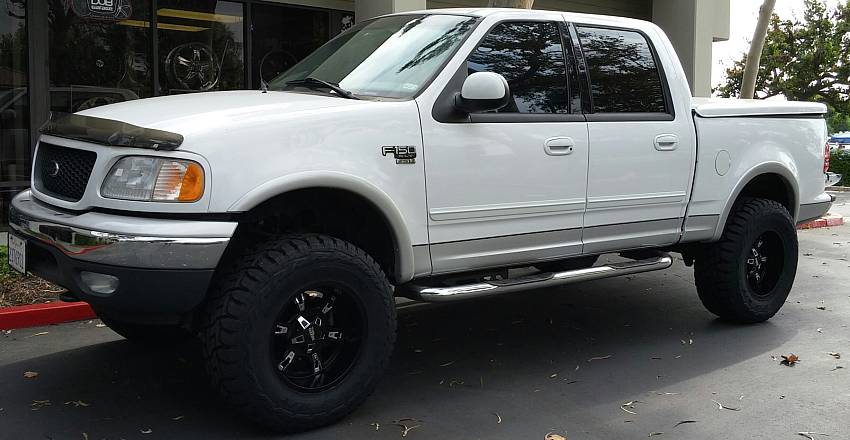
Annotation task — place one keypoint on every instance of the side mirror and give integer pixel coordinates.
(483, 91)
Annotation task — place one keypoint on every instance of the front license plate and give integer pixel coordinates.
(18, 253)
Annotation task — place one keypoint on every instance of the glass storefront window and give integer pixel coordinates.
(275, 51)
(14, 103)
(200, 45)
(98, 56)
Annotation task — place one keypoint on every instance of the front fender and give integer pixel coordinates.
(337, 180)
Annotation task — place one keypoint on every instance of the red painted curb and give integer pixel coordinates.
(44, 314)
(823, 222)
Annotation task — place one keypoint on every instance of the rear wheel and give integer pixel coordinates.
(747, 275)
(299, 332)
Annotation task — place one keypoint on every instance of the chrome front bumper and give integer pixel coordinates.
(124, 241)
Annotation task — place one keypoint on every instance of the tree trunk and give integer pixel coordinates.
(748, 84)
(521, 4)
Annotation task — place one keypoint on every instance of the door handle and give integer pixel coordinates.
(559, 146)
(666, 142)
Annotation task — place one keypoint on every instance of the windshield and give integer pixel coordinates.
(391, 57)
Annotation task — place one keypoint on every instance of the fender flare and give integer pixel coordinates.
(778, 168)
(404, 264)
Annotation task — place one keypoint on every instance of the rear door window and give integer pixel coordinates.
(624, 75)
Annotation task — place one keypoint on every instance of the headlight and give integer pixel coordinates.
(154, 179)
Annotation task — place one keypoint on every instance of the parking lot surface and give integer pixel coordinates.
(614, 359)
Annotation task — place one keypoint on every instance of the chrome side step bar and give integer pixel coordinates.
(535, 281)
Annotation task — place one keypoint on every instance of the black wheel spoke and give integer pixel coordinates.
(317, 338)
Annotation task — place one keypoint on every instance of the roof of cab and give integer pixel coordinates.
(569, 16)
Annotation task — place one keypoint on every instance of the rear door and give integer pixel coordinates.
(508, 187)
(641, 149)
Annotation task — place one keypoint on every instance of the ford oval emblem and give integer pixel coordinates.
(55, 171)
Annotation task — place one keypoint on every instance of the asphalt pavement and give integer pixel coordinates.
(563, 361)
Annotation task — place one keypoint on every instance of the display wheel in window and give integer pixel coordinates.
(193, 67)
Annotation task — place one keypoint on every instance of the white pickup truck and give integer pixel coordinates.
(438, 155)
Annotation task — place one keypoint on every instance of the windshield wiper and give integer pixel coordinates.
(316, 82)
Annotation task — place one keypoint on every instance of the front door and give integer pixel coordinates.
(509, 186)
(641, 150)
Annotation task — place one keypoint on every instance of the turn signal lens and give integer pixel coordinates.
(154, 179)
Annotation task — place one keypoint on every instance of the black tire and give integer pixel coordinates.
(565, 265)
(247, 330)
(747, 275)
(154, 335)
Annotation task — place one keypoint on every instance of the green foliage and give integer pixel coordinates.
(840, 163)
(804, 59)
(5, 270)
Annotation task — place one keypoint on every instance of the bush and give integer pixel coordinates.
(839, 163)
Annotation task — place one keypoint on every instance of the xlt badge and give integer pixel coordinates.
(402, 154)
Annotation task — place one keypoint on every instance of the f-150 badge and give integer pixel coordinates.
(402, 154)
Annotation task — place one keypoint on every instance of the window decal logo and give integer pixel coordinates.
(109, 10)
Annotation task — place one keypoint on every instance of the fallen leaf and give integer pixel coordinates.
(653, 434)
(790, 360)
(839, 367)
(821, 307)
(100, 325)
(146, 431)
(600, 358)
(77, 403)
(406, 429)
(498, 418)
(38, 334)
(683, 422)
(85, 436)
(553, 436)
(835, 354)
(178, 418)
(30, 374)
(553, 375)
(38, 404)
(810, 435)
(376, 425)
(447, 364)
(630, 405)
(721, 406)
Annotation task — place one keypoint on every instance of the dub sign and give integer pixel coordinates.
(111, 10)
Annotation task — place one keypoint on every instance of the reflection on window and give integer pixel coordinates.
(94, 59)
(530, 56)
(274, 51)
(14, 104)
(200, 45)
(623, 74)
(392, 56)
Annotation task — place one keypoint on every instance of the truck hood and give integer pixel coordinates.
(196, 114)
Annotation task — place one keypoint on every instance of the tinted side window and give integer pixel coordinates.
(530, 56)
(623, 73)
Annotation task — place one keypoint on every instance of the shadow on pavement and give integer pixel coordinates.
(551, 360)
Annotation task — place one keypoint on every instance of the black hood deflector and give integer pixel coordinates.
(109, 132)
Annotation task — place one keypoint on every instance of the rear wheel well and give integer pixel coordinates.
(335, 212)
(769, 186)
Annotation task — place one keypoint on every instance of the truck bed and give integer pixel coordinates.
(727, 107)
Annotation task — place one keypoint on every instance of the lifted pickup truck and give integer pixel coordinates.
(438, 155)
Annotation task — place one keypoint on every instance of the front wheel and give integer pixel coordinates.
(299, 331)
(747, 275)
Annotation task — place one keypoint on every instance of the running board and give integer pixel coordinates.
(535, 281)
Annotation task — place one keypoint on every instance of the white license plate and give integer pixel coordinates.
(18, 253)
